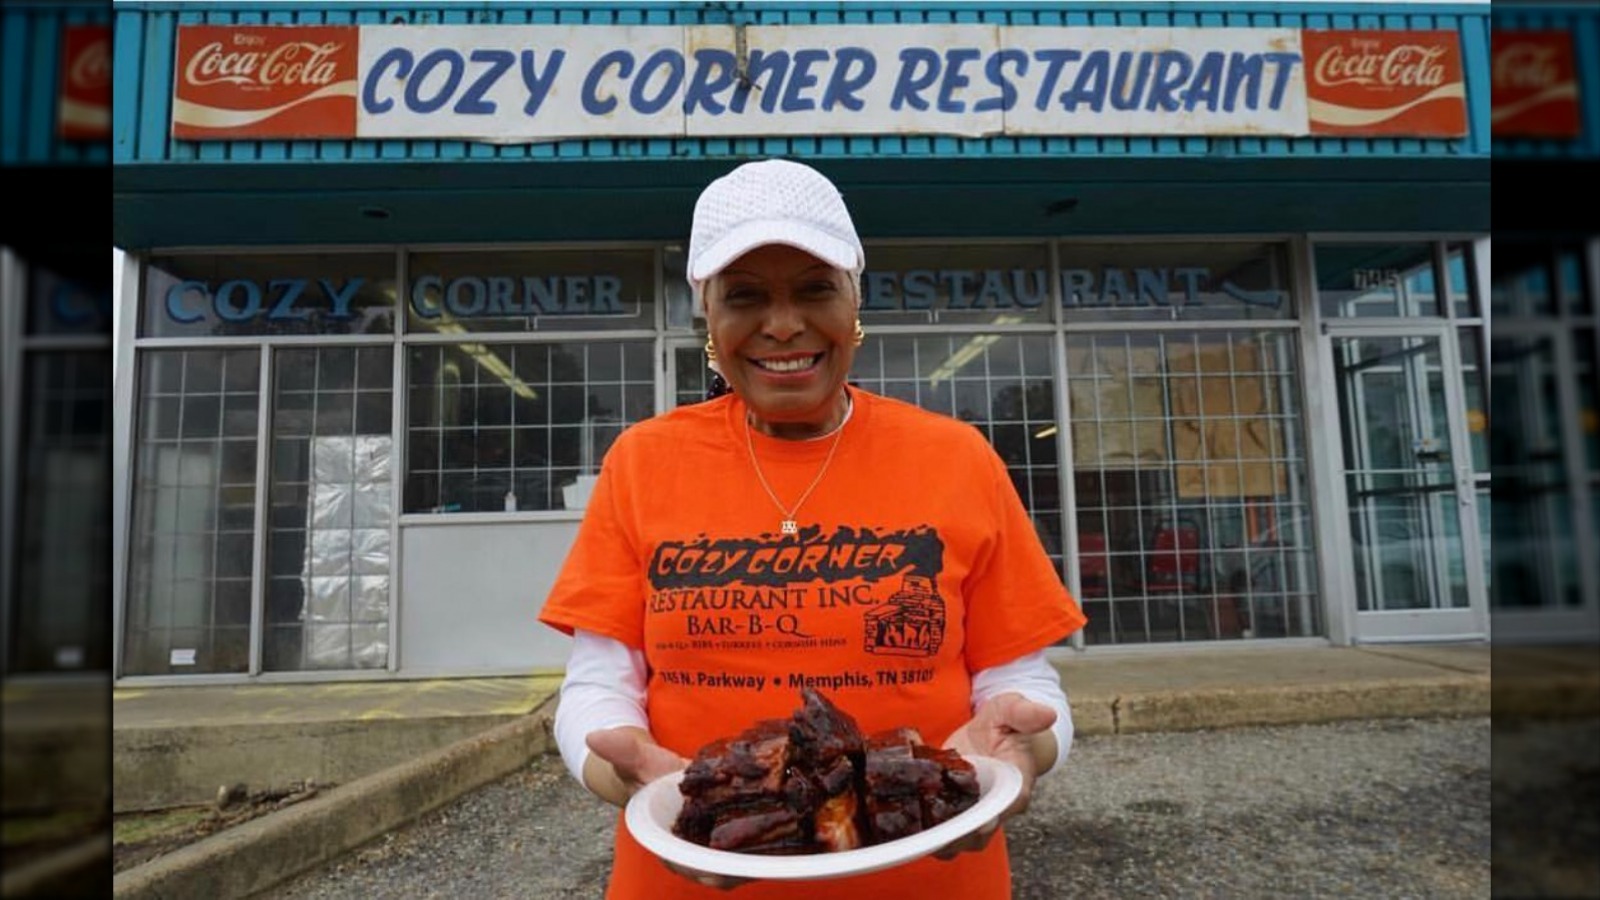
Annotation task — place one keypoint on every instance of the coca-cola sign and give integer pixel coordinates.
(265, 82)
(84, 113)
(1385, 83)
(1533, 85)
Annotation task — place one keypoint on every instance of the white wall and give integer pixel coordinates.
(470, 595)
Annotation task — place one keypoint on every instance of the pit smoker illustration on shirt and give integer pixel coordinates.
(910, 623)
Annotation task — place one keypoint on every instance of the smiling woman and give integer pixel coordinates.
(901, 544)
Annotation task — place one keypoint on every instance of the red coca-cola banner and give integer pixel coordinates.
(1385, 83)
(265, 82)
(84, 113)
(1534, 90)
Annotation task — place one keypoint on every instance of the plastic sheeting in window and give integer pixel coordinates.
(348, 553)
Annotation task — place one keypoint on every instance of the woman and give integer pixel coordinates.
(797, 532)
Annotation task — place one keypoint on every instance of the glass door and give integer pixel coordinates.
(1410, 491)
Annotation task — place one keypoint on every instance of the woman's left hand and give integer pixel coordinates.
(1014, 729)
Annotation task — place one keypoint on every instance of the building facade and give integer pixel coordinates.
(1223, 315)
(55, 340)
(1546, 447)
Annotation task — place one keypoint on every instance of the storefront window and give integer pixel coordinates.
(693, 375)
(1463, 279)
(1585, 386)
(63, 509)
(1192, 511)
(1526, 452)
(1167, 282)
(1475, 387)
(531, 290)
(61, 306)
(969, 284)
(248, 294)
(193, 513)
(1001, 383)
(675, 289)
(328, 548)
(1570, 277)
(498, 426)
(1377, 280)
(519, 368)
(65, 513)
(1522, 285)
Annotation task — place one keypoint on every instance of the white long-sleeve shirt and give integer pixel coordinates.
(605, 688)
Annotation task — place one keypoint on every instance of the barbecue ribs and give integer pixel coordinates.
(813, 784)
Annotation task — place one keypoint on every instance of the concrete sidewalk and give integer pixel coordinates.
(1111, 692)
(1222, 686)
(175, 746)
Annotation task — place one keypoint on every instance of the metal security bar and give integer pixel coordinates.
(506, 427)
(1000, 383)
(1192, 518)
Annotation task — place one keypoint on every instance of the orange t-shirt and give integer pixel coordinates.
(915, 565)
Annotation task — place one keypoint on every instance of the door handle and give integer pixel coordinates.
(1466, 493)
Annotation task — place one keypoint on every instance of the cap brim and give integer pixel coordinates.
(750, 235)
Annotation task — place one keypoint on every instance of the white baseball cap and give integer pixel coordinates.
(774, 201)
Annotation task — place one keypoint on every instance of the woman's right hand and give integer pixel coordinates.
(623, 760)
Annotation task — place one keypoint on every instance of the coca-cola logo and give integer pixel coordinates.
(92, 67)
(1406, 65)
(297, 63)
(1526, 67)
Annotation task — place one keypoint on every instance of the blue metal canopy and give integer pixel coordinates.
(181, 193)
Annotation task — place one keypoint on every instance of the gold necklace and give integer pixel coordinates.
(788, 525)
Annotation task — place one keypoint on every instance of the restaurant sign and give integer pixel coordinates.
(1535, 85)
(518, 84)
(84, 110)
(1395, 83)
(498, 296)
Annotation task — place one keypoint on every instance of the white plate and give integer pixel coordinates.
(654, 808)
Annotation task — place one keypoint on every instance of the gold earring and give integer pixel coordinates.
(861, 333)
(711, 351)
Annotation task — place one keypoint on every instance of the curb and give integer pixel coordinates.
(161, 767)
(1237, 707)
(78, 871)
(1550, 696)
(274, 848)
(55, 767)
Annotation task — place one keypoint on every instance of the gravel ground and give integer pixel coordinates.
(1393, 809)
(1546, 808)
